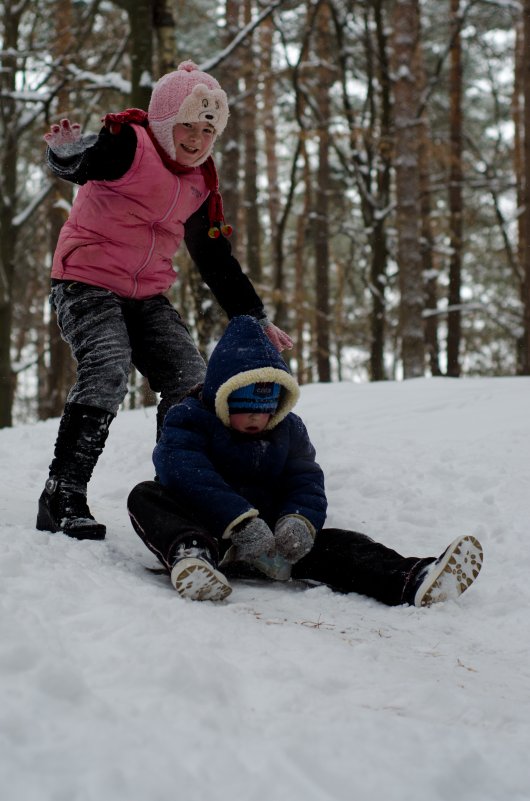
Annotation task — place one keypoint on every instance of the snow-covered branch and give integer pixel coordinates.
(32, 206)
(241, 36)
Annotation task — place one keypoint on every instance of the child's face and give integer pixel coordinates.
(192, 141)
(249, 422)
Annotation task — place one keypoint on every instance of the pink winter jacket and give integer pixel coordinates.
(122, 235)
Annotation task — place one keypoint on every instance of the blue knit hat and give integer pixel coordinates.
(261, 397)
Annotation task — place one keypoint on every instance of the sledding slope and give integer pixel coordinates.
(112, 688)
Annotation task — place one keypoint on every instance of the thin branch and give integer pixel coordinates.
(23, 216)
(241, 36)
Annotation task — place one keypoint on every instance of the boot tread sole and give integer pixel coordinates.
(458, 568)
(195, 579)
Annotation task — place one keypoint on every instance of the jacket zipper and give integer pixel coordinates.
(152, 225)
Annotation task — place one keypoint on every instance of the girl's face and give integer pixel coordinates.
(249, 422)
(192, 141)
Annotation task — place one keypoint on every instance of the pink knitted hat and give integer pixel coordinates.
(186, 95)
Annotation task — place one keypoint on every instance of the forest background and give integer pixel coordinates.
(375, 168)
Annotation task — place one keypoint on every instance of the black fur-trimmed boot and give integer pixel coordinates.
(63, 506)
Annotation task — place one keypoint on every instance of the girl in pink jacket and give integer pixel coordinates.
(148, 181)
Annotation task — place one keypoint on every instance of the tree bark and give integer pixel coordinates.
(141, 23)
(372, 170)
(430, 273)
(303, 323)
(379, 249)
(164, 25)
(231, 143)
(253, 234)
(519, 164)
(8, 203)
(406, 109)
(454, 317)
(525, 368)
(61, 370)
(269, 125)
(323, 189)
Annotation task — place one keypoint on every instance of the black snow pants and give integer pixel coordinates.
(346, 561)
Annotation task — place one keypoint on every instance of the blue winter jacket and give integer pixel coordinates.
(224, 476)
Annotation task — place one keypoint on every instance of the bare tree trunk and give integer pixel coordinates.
(274, 202)
(61, 370)
(429, 270)
(270, 123)
(526, 286)
(431, 277)
(518, 114)
(8, 203)
(372, 171)
(252, 223)
(338, 315)
(303, 322)
(205, 310)
(164, 24)
(141, 23)
(378, 264)
(406, 108)
(231, 142)
(454, 329)
(321, 221)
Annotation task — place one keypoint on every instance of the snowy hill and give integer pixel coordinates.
(112, 688)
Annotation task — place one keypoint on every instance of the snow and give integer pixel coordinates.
(113, 688)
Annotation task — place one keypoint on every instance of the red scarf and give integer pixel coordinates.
(209, 172)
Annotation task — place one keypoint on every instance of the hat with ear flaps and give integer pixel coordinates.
(244, 356)
(189, 95)
(186, 95)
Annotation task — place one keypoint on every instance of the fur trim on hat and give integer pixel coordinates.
(288, 399)
(245, 355)
(186, 95)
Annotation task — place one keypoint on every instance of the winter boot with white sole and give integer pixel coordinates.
(451, 574)
(195, 576)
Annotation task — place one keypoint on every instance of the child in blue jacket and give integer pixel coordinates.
(239, 492)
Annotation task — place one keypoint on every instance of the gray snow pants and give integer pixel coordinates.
(108, 333)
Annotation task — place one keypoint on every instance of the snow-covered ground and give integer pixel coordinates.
(113, 688)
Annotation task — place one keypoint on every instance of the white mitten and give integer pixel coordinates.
(65, 139)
